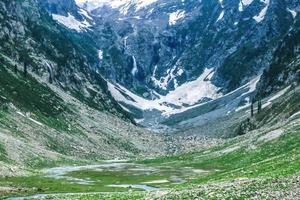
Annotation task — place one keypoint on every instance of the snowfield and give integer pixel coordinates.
(258, 18)
(71, 22)
(183, 97)
(176, 16)
(123, 5)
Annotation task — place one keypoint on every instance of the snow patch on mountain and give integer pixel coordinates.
(182, 98)
(175, 16)
(192, 92)
(85, 14)
(71, 22)
(293, 12)
(123, 5)
(243, 4)
(100, 55)
(276, 96)
(260, 17)
(163, 82)
(221, 16)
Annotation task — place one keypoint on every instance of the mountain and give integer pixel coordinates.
(159, 63)
(284, 68)
(165, 59)
(184, 99)
(54, 106)
(33, 39)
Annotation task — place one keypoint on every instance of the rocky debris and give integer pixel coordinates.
(7, 170)
(178, 144)
(281, 188)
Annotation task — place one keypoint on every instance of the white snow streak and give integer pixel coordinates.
(175, 16)
(71, 22)
(243, 4)
(123, 5)
(260, 17)
(276, 96)
(293, 12)
(100, 55)
(221, 16)
(183, 96)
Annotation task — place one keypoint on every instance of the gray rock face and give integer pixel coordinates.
(285, 66)
(155, 49)
(237, 41)
(158, 52)
(31, 38)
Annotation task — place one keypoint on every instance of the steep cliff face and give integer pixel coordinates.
(162, 59)
(285, 66)
(34, 42)
(53, 104)
(168, 57)
(169, 43)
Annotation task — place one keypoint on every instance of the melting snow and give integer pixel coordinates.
(271, 136)
(71, 22)
(184, 96)
(252, 87)
(258, 18)
(157, 182)
(221, 16)
(100, 55)
(123, 5)
(230, 149)
(164, 81)
(296, 114)
(191, 92)
(248, 104)
(36, 122)
(175, 16)
(243, 4)
(293, 12)
(276, 96)
(85, 13)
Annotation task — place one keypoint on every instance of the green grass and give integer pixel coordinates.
(272, 159)
(30, 96)
(269, 161)
(2, 152)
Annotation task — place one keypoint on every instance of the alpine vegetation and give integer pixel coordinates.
(149, 99)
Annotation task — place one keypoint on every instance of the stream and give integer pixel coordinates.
(141, 177)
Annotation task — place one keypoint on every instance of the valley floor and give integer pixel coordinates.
(264, 164)
(53, 146)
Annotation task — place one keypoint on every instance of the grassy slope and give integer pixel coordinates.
(258, 163)
(256, 169)
(243, 157)
(49, 128)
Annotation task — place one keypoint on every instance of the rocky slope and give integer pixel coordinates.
(285, 66)
(170, 56)
(166, 61)
(33, 41)
(54, 107)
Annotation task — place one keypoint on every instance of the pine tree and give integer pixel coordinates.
(259, 106)
(293, 87)
(252, 108)
(50, 79)
(25, 58)
(25, 69)
(16, 68)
